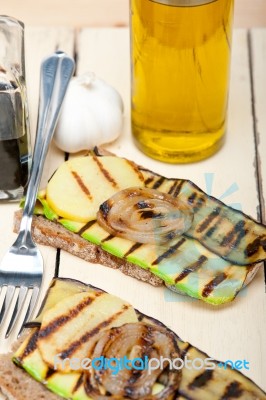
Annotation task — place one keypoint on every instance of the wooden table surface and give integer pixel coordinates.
(83, 13)
(237, 175)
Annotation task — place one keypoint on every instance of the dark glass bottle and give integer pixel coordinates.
(14, 132)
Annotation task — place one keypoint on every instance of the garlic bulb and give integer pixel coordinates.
(92, 114)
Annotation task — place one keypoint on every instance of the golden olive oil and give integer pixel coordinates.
(180, 77)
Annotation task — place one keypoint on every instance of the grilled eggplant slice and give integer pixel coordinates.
(227, 232)
(195, 384)
(203, 384)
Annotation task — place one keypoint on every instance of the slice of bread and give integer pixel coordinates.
(16, 384)
(53, 234)
(223, 383)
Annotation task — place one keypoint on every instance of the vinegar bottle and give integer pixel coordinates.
(14, 133)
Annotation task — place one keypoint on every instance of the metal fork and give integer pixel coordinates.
(22, 266)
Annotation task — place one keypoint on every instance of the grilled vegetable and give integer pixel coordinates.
(58, 290)
(135, 341)
(209, 384)
(79, 318)
(81, 184)
(225, 231)
(187, 265)
(195, 384)
(145, 216)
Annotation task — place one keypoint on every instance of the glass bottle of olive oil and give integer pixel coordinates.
(180, 76)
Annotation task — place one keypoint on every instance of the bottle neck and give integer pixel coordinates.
(12, 46)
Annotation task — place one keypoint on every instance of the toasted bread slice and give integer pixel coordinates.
(53, 234)
(189, 264)
(16, 384)
(196, 383)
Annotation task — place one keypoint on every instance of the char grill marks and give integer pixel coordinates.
(191, 268)
(169, 252)
(105, 173)
(209, 288)
(81, 184)
(208, 220)
(31, 345)
(189, 384)
(145, 343)
(74, 346)
(148, 181)
(105, 208)
(227, 232)
(201, 380)
(87, 226)
(234, 237)
(133, 248)
(158, 183)
(135, 340)
(174, 253)
(109, 237)
(79, 383)
(176, 187)
(57, 323)
(73, 332)
(136, 169)
(232, 391)
(253, 248)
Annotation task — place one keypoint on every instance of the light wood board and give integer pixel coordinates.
(39, 43)
(235, 331)
(83, 13)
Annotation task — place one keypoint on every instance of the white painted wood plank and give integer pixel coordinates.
(224, 332)
(258, 51)
(107, 12)
(39, 43)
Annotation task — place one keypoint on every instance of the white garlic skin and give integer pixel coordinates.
(91, 115)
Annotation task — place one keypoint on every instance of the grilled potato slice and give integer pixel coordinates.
(81, 184)
(70, 328)
(196, 384)
(58, 290)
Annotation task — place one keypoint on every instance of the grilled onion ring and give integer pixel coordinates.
(145, 216)
(134, 340)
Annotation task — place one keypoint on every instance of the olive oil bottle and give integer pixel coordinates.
(180, 62)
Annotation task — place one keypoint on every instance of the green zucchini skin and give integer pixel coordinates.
(211, 262)
(196, 384)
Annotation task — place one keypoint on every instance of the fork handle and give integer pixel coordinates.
(56, 72)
